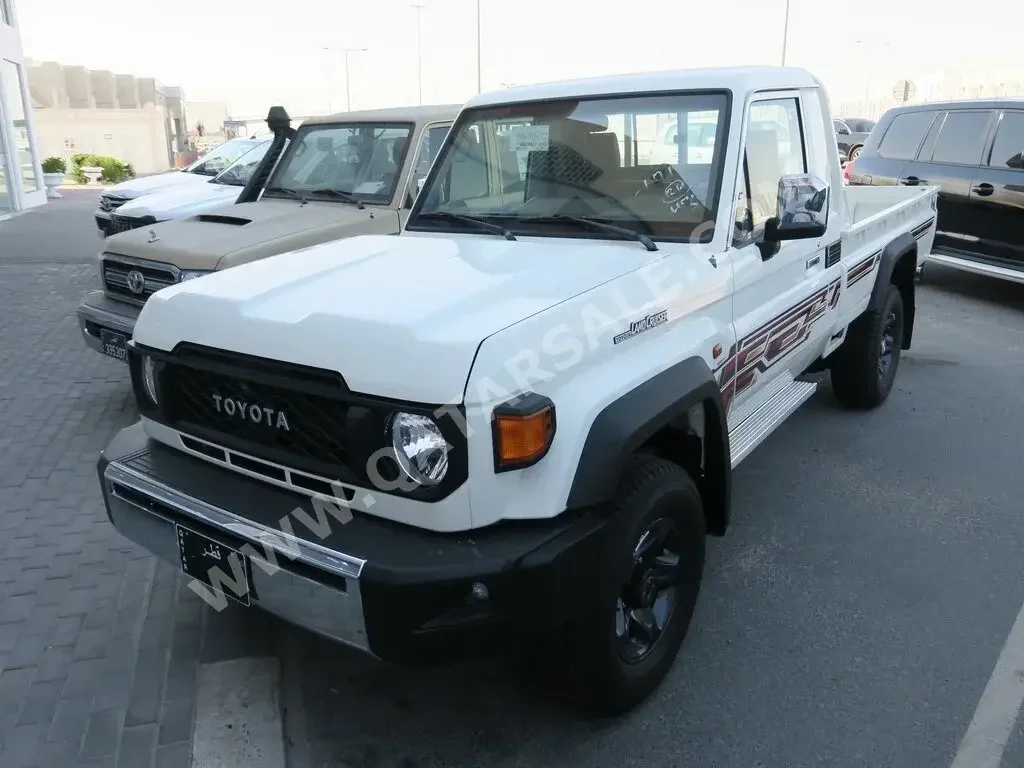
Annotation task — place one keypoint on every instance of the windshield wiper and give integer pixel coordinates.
(348, 197)
(649, 244)
(292, 193)
(466, 219)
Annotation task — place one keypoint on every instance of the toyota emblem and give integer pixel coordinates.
(136, 282)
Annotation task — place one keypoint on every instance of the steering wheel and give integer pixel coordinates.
(675, 193)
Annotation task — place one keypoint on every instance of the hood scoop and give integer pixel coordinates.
(220, 218)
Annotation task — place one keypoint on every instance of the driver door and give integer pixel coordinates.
(780, 292)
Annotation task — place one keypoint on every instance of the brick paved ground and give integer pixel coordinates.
(99, 645)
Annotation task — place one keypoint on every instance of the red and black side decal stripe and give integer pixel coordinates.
(764, 347)
(922, 229)
(863, 268)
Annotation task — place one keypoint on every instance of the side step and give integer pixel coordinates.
(977, 267)
(749, 434)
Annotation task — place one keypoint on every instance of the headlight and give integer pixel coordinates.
(192, 274)
(149, 378)
(420, 448)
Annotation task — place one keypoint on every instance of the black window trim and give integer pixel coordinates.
(920, 144)
(468, 114)
(986, 146)
(986, 160)
(303, 130)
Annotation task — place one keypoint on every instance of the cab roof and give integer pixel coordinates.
(425, 114)
(739, 80)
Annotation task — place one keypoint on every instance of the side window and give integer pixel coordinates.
(430, 143)
(962, 138)
(1008, 149)
(904, 135)
(775, 148)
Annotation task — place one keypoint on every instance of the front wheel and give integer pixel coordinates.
(865, 366)
(617, 656)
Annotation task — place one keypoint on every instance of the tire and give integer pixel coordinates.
(605, 669)
(865, 368)
(854, 153)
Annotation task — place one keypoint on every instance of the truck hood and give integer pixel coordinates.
(399, 317)
(202, 241)
(143, 186)
(181, 200)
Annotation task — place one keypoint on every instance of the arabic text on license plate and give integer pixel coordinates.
(224, 570)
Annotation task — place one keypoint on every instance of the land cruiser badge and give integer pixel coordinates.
(642, 325)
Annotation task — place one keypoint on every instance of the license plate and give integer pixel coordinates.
(114, 344)
(223, 569)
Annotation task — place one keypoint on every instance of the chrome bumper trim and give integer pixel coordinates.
(287, 545)
(320, 607)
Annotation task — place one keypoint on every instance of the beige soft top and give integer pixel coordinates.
(425, 114)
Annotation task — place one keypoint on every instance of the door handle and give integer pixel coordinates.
(984, 189)
(910, 181)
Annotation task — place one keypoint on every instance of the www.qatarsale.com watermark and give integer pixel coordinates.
(650, 297)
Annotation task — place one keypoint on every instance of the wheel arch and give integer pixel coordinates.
(638, 416)
(898, 267)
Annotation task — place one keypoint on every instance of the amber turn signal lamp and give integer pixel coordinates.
(522, 431)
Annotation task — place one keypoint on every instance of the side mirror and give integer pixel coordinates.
(801, 213)
(843, 131)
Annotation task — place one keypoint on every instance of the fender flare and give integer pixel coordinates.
(892, 254)
(629, 421)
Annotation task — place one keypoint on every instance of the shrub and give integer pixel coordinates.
(54, 165)
(114, 170)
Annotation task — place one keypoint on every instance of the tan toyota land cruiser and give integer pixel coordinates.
(333, 177)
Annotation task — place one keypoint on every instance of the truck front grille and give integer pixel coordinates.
(291, 423)
(110, 203)
(128, 223)
(135, 281)
(297, 420)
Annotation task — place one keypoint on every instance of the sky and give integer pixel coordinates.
(257, 53)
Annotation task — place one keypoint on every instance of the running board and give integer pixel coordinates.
(755, 428)
(977, 267)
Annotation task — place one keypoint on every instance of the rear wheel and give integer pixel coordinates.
(617, 656)
(865, 366)
(855, 152)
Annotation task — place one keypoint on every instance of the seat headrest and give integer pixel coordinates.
(602, 149)
(398, 149)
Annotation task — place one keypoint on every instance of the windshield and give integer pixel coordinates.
(361, 160)
(221, 156)
(238, 173)
(531, 168)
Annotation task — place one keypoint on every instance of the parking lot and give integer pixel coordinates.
(853, 616)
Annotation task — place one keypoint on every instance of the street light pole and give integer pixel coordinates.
(871, 61)
(419, 53)
(785, 33)
(479, 70)
(348, 93)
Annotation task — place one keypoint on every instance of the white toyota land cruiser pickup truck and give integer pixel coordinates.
(519, 420)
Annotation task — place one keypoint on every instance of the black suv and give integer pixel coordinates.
(974, 152)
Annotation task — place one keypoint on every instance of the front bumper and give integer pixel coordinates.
(396, 592)
(98, 311)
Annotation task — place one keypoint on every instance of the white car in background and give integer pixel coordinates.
(203, 169)
(184, 200)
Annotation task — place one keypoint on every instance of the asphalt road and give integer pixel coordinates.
(852, 616)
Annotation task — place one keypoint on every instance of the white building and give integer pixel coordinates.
(21, 176)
